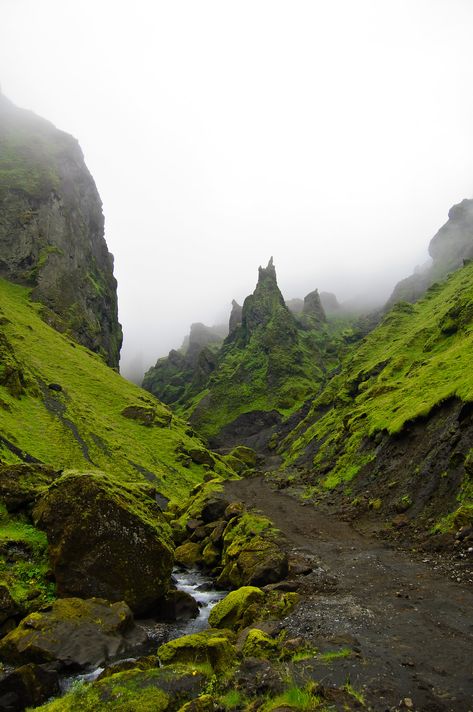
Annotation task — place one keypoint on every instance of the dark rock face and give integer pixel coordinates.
(451, 245)
(105, 542)
(184, 372)
(52, 230)
(27, 686)
(75, 633)
(235, 317)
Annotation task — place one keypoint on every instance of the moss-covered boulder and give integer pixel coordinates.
(188, 554)
(106, 541)
(237, 610)
(213, 647)
(245, 454)
(73, 632)
(154, 690)
(258, 644)
(252, 555)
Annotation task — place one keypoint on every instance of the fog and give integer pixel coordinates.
(333, 136)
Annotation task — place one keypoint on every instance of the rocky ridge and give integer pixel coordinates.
(52, 230)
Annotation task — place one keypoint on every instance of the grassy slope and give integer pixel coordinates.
(267, 374)
(92, 399)
(417, 358)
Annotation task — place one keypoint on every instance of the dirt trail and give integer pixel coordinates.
(411, 629)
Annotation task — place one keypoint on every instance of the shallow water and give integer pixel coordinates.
(200, 587)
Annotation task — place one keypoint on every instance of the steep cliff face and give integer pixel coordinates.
(52, 230)
(449, 247)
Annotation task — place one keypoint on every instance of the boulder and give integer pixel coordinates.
(209, 646)
(74, 632)
(188, 554)
(257, 563)
(237, 610)
(258, 644)
(213, 509)
(178, 606)
(28, 686)
(105, 541)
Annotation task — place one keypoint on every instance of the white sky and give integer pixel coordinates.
(332, 135)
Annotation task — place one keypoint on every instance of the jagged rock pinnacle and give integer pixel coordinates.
(313, 306)
(235, 316)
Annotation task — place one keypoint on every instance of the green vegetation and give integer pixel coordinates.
(416, 359)
(24, 565)
(79, 422)
(273, 361)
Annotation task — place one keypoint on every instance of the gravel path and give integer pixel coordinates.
(411, 629)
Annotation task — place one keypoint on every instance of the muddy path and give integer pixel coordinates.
(410, 628)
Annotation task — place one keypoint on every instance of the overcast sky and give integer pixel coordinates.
(332, 135)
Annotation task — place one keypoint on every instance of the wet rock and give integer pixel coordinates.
(146, 663)
(74, 632)
(238, 609)
(209, 646)
(214, 509)
(27, 686)
(188, 554)
(106, 542)
(178, 606)
(217, 534)
(210, 555)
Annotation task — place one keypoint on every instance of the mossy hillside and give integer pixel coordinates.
(417, 358)
(270, 362)
(78, 423)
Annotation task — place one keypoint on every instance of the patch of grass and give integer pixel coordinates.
(412, 362)
(81, 426)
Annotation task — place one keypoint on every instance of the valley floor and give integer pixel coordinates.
(410, 629)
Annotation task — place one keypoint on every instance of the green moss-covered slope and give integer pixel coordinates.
(61, 405)
(271, 362)
(398, 412)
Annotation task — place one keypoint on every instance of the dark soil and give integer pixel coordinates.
(410, 628)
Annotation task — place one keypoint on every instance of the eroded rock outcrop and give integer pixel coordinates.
(105, 541)
(52, 230)
(449, 248)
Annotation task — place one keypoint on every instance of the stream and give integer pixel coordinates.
(200, 587)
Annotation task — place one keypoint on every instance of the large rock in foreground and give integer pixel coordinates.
(74, 633)
(105, 541)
